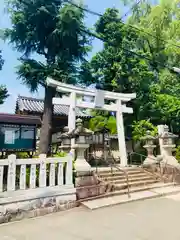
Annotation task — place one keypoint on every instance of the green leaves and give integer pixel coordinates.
(140, 129)
(155, 35)
(111, 125)
(3, 90)
(3, 94)
(103, 122)
(167, 108)
(51, 29)
(1, 60)
(32, 73)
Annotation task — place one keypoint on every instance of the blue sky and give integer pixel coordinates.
(8, 75)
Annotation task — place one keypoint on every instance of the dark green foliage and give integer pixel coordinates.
(52, 30)
(152, 32)
(177, 151)
(1, 61)
(3, 90)
(3, 94)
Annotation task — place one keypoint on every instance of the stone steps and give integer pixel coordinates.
(102, 170)
(135, 178)
(154, 192)
(132, 190)
(119, 186)
(119, 173)
(122, 181)
(141, 186)
(122, 177)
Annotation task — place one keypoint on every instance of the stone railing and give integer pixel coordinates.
(56, 172)
(165, 172)
(34, 187)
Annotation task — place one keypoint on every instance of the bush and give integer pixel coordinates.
(60, 154)
(140, 129)
(177, 151)
(22, 155)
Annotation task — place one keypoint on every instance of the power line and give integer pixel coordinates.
(99, 14)
(120, 19)
(85, 9)
(132, 8)
(129, 51)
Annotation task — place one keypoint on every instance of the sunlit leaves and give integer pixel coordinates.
(140, 129)
(103, 122)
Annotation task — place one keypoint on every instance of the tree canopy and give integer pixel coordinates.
(137, 56)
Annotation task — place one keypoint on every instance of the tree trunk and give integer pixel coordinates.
(46, 128)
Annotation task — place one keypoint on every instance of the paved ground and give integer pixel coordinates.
(153, 219)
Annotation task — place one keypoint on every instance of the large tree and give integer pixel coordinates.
(52, 29)
(137, 56)
(159, 35)
(116, 68)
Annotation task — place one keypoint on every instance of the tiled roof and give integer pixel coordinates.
(35, 105)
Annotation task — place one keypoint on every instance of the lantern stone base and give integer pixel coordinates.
(89, 186)
(167, 155)
(170, 160)
(82, 167)
(151, 159)
(65, 149)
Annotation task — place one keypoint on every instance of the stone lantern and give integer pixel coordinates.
(107, 142)
(149, 146)
(65, 140)
(168, 137)
(82, 140)
(168, 144)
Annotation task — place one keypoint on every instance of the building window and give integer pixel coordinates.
(10, 133)
(27, 133)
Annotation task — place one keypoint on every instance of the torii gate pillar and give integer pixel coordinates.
(72, 112)
(121, 134)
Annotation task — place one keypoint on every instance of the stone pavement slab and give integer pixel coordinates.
(153, 219)
(175, 197)
(167, 190)
(110, 201)
(134, 196)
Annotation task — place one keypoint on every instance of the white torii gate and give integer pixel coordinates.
(98, 103)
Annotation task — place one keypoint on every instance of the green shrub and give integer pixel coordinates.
(140, 129)
(22, 155)
(177, 151)
(60, 154)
